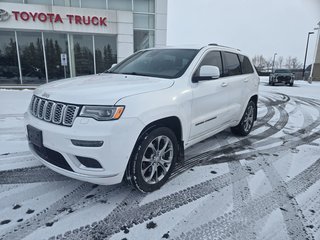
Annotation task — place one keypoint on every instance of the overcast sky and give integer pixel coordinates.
(254, 26)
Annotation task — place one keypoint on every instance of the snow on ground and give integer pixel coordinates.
(264, 186)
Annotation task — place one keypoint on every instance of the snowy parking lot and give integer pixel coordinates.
(263, 186)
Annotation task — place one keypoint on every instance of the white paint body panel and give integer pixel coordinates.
(146, 99)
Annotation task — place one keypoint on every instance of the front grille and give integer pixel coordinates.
(54, 112)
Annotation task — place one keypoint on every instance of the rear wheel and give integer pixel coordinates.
(247, 120)
(153, 159)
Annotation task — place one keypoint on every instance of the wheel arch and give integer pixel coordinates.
(173, 123)
(254, 98)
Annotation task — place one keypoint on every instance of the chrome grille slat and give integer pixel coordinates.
(70, 114)
(35, 106)
(58, 113)
(48, 111)
(40, 108)
(54, 112)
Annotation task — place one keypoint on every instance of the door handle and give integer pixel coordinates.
(224, 84)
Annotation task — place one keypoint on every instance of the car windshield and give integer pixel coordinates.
(282, 71)
(162, 63)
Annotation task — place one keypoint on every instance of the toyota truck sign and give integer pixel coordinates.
(56, 18)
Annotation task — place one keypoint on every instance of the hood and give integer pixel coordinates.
(283, 74)
(103, 89)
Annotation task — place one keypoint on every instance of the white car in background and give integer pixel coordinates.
(135, 121)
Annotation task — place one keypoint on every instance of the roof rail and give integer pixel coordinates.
(215, 44)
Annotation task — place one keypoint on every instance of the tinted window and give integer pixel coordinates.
(213, 59)
(9, 69)
(143, 39)
(231, 64)
(165, 63)
(245, 65)
(106, 52)
(55, 44)
(143, 6)
(31, 57)
(83, 54)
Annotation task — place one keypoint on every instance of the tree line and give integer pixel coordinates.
(265, 64)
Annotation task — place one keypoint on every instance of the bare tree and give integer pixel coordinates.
(269, 63)
(295, 63)
(280, 61)
(289, 62)
(259, 62)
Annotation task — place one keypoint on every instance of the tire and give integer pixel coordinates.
(291, 84)
(153, 159)
(247, 120)
(272, 83)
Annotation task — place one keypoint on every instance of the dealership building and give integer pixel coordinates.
(47, 40)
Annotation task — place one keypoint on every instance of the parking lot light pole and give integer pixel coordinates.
(274, 58)
(305, 56)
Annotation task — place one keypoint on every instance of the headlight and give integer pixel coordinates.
(102, 113)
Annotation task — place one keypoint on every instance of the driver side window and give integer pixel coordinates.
(212, 58)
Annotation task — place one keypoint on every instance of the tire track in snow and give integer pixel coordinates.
(293, 218)
(14, 155)
(238, 146)
(30, 175)
(44, 216)
(13, 115)
(239, 219)
(129, 222)
(304, 136)
(138, 215)
(28, 194)
(113, 223)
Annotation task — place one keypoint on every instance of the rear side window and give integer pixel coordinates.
(213, 59)
(231, 64)
(245, 65)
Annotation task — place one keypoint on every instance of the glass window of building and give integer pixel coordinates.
(42, 2)
(31, 57)
(14, 1)
(74, 3)
(99, 4)
(106, 52)
(55, 44)
(83, 54)
(144, 21)
(143, 39)
(9, 69)
(59, 3)
(144, 6)
(124, 5)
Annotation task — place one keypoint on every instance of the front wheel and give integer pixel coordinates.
(247, 120)
(153, 159)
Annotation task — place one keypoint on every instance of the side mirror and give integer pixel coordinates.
(206, 73)
(113, 65)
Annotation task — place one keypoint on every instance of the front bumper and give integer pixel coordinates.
(283, 79)
(119, 138)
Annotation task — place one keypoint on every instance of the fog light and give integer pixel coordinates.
(83, 143)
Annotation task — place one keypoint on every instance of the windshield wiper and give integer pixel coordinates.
(134, 73)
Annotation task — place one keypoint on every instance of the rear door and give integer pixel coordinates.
(236, 83)
(249, 78)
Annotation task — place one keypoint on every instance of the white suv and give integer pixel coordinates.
(134, 121)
